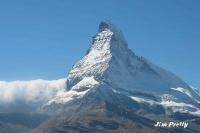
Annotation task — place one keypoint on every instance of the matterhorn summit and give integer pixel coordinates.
(107, 45)
(114, 70)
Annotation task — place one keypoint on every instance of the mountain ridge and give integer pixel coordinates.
(109, 62)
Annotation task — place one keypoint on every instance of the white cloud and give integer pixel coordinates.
(30, 91)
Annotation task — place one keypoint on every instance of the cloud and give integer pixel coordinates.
(30, 91)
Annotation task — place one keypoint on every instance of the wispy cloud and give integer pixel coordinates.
(30, 91)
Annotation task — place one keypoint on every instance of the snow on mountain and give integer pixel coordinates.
(116, 69)
(77, 91)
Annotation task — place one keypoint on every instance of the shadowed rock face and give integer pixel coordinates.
(109, 125)
(103, 26)
(27, 120)
(104, 116)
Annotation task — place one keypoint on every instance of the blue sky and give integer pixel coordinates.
(43, 39)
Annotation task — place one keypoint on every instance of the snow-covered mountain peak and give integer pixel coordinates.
(106, 45)
(116, 69)
(109, 40)
(108, 25)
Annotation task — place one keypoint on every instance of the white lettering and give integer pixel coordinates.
(185, 125)
(158, 124)
(171, 124)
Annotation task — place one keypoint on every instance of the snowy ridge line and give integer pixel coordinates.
(138, 93)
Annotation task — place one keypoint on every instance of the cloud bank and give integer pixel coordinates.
(30, 91)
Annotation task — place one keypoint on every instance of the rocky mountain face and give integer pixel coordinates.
(112, 90)
(116, 70)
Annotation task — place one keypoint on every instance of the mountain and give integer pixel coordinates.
(111, 90)
(115, 69)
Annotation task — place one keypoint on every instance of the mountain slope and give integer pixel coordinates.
(92, 114)
(123, 92)
(109, 64)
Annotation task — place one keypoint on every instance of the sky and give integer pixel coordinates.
(43, 39)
